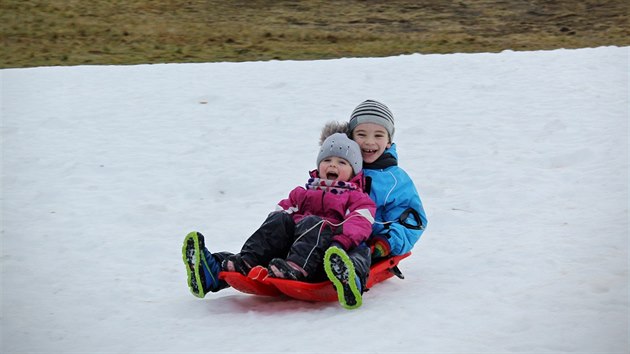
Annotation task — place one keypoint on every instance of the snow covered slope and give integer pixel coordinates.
(521, 159)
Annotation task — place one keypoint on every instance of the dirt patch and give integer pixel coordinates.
(72, 32)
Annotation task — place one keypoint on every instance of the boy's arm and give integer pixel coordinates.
(405, 221)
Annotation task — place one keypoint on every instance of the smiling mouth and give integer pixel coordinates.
(369, 151)
(332, 175)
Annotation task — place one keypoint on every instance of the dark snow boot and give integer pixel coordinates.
(202, 268)
(340, 271)
(236, 263)
(279, 268)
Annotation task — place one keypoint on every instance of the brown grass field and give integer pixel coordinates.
(77, 32)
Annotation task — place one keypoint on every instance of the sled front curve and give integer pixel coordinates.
(257, 282)
(254, 283)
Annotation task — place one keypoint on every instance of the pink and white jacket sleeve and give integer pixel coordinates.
(357, 225)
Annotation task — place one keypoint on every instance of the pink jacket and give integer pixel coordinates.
(349, 211)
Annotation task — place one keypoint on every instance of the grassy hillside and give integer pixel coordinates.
(72, 32)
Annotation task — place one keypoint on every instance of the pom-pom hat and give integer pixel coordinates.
(340, 145)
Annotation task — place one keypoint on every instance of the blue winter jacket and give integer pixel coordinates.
(400, 216)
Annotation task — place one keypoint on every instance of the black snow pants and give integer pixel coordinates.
(303, 243)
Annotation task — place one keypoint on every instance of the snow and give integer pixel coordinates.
(521, 159)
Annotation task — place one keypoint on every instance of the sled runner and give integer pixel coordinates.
(258, 283)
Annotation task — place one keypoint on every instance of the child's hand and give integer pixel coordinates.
(379, 246)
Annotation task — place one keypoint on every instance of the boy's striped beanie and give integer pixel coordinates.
(371, 111)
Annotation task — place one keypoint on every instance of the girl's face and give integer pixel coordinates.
(335, 168)
(373, 139)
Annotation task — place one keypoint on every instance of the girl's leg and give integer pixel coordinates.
(272, 239)
(313, 236)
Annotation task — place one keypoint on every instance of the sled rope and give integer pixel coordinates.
(321, 225)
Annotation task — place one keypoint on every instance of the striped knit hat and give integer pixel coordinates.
(371, 111)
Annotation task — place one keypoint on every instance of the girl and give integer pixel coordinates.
(331, 208)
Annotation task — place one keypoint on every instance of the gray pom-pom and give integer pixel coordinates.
(331, 128)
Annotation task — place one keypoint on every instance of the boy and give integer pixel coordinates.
(400, 218)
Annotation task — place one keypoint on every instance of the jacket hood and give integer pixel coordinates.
(392, 151)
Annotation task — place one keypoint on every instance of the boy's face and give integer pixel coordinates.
(373, 139)
(335, 168)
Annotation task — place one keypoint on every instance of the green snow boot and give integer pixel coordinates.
(202, 268)
(340, 271)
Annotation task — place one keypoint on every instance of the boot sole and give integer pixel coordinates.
(340, 271)
(191, 254)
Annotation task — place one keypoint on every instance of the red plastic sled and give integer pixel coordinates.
(258, 283)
